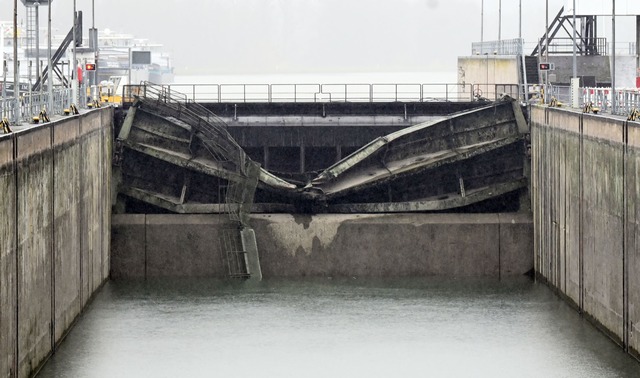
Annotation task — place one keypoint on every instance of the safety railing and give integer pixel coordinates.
(595, 46)
(10, 108)
(30, 104)
(212, 129)
(502, 47)
(215, 138)
(626, 100)
(267, 93)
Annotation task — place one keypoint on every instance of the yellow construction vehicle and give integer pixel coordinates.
(108, 91)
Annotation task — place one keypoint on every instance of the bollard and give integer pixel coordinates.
(589, 108)
(5, 126)
(43, 115)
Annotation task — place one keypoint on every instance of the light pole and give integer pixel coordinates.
(49, 62)
(575, 63)
(546, 51)
(614, 105)
(520, 20)
(481, 26)
(94, 37)
(499, 20)
(16, 78)
(37, 6)
(74, 70)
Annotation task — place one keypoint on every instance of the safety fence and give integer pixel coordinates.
(31, 104)
(267, 93)
(502, 47)
(626, 100)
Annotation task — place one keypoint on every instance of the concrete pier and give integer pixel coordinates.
(382, 245)
(586, 202)
(54, 240)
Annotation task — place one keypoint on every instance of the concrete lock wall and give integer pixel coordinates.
(54, 234)
(585, 187)
(387, 245)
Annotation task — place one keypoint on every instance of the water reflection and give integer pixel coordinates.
(331, 327)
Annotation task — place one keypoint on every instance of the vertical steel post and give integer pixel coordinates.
(37, 5)
(520, 20)
(614, 105)
(96, 47)
(74, 70)
(49, 62)
(499, 21)
(637, 49)
(575, 62)
(546, 52)
(130, 64)
(16, 77)
(481, 27)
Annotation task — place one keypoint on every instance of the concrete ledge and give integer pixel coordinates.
(328, 245)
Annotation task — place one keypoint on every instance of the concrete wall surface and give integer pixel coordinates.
(484, 71)
(44, 172)
(327, 245)
(585, 187)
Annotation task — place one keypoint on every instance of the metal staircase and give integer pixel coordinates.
(531, 69)
(238, 243)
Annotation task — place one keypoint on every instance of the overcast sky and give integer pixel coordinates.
(291, 36)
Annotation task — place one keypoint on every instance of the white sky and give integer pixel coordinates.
(290, 36)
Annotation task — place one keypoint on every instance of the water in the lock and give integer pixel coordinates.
(335, 328)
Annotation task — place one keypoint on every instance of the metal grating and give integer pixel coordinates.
(234, 256)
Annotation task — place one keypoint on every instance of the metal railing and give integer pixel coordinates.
(211, 129)
(30, 104)
(267, 93)
(193, 94)
(503, 47)
(627, 100)
(596, 46)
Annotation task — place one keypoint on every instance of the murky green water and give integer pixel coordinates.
(335, 328)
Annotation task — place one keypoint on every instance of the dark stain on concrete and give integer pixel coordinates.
(303, 219)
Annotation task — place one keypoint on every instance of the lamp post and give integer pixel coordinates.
(546, 51)
(614, 105)
(499, 20)
(74, 70)
(575, 63)
(49, 61)
(481, 26)
(95, 39)
(37, 8)
(16, 78)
